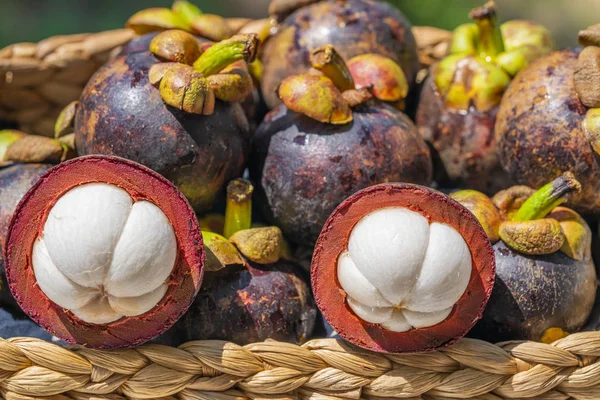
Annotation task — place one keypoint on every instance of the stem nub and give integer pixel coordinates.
(238, 212)
(226, 52)
(327, 60)
(548, 197)
(490, 41)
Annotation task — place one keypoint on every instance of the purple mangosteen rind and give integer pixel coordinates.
(251, 303)
(535, 293)
(435, 207)
(305, 168)
(122, 114)
(29, 219)
(15, 181)
(540, 129)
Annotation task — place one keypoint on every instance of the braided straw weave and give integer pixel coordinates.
(38, 79)
(322, 369)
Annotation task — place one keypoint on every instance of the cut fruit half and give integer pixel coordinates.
(402, 268)
(104, 252)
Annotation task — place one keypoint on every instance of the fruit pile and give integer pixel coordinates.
(249, 180)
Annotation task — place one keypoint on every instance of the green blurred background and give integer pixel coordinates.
(22, 21)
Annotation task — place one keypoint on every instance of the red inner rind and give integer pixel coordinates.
(437, 207)
(142, 184)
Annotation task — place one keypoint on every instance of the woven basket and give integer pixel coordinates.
(36, 81)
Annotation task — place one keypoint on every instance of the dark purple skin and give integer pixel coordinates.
(251, 304)
(15, 181)
(304, 168)
(540, 130)
(464, 145)
(534, 293)
(354, 27)
(122, 114)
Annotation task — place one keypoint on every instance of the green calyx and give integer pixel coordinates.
(219, 71)
(591, 126)
(240, 240)
(220, 55)
(468, 81)
(548, 197)
(238, 212)
(7, 138)
(532, 222)
(540, 226)
(186, 11)
(484, 57)
(484, 210)
(65, 123)
(182, 15)
(490, 42)
(331, 64)
(179, 16)
(17, 146)
(327, 92)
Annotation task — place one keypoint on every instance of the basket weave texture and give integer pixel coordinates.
(322, 369)
(37, 80)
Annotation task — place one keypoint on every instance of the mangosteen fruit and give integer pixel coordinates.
(402, 268)
(354, 27)
(104, 252)
(545, 277)
(252, 290)
(549, 121)
(182, 121)
(332, 137)
(460, 98)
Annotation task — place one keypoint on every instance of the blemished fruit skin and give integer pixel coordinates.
(534, 293)
(122, 114)
(304, 168)
(141, 184)
(353, 27)
(463, 143)
(540, 130)
(252, 303)
(15, 181)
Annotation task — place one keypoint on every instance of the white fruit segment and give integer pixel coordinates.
(401, 272)
(103, 256)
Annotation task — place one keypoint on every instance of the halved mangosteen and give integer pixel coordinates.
(402, 268)
(104, 252)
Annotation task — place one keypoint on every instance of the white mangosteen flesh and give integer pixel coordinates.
(104, 256)
(402, 272)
